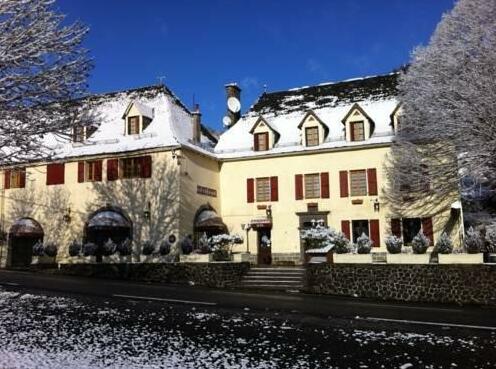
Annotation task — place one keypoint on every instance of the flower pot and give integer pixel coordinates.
(196, 258)
(352, 258)
(241, 257)
(461, 258)
(408, 258)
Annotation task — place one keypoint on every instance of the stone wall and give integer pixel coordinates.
(219, 274)
(461, 284)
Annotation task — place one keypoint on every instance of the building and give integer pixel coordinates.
(149, 170)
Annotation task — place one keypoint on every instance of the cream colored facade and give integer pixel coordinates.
(188, 177)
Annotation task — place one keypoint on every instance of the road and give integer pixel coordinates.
(49, 321)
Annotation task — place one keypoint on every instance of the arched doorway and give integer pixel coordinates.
(23, 235)
(108, 222)
(207, 223)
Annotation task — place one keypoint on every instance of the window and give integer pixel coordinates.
(261, 141)
(93, 171)
(146, 122)
(263, 189)
(133, 125)
(312, 186)
(131, 167)
(358, 179)
(15, 178)
(359, 227)
(357, 131)
(90, 130)
(411, 226)
(312, 136)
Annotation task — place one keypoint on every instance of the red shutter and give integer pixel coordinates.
(146, 166)
(255, 143)
(345, 228)
(55, 174)
(374, 232)
(98, 171)
(81, 171)
(324, 185)
(352, 132)
(427, 229)
(274, 189)
(22, 183)
(112, 169)
(372, 181)
(7, 179)
(250, 193)
(298, 186)
(396, 227)
(343, 183)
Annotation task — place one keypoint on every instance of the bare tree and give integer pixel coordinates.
(43, 68)
(448, 126)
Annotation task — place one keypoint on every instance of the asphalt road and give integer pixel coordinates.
(383, 312)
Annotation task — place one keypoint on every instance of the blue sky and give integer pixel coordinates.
(198, 45)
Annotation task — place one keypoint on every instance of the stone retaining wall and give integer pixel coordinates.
(461, 284)
(219, 275)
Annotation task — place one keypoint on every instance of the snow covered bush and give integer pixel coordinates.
(222, 244)
(490, 244)
(124, 248)
(75, 248)
(165, 248)
(316, 237)
(203, 246)
(341, 243)
(90, 249)
(50, 249)
(186, 245)
(38, 249)
(394, 244)
(420, 243)
(363, 244)
(444, 244)
(147, 248)
(109, 247)
(473, 242)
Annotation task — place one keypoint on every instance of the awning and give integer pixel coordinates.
(208, 221)
(261, 223)
(26, 227)
(108, 219)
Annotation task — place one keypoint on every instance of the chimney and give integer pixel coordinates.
(196, 120)
(233, 102)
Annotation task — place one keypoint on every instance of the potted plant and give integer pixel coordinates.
(318, 243)
(89, 252)
(38, 253)
(418, 254)
(344, 252)
(109, 249)
(488, 247)
(473, 245)
(394, 246)
(125, 249)
(76, 253)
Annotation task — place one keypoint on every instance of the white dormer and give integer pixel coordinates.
(313, 130)
(358, 125)
(264, 136)
(396, 117)
(137, 117)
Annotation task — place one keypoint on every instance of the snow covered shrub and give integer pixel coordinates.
(316, 237)
(341, 243)
(124, 248)
(89, 249)
(109, 248)
(186, 245)
(394, 244)
(165, 248)
(203, 246)
(444, 244)
(473, 241)
(50, 249)
(490, 244)
(38, 249)
(75, 248)
(147, 248)
(420, 243)
(364, 244)
(222, 244)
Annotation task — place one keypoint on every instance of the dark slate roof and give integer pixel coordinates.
(324, 95)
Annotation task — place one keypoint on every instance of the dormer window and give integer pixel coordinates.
(358, 126)
(137, 118)
(82, 133)
(313, 130)
(264, 136)
(396, 117)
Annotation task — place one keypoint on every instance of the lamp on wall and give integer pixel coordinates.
(377, 205)
(268, 211)
(147, 211)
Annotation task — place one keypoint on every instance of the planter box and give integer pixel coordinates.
(116, 259)
(352, 258)
(241, 257)
(80, 260)
(408, 258)
(196, 258)
(461, 258)
(155, 258)
(42, 260)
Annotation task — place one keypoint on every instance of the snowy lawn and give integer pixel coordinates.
(38, 331)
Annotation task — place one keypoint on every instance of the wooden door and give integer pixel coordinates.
(22, 251)
(264, 247)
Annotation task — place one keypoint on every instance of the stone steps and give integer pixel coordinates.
(274, 278)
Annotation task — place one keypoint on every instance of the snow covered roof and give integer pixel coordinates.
(171, 124)
(285, 110)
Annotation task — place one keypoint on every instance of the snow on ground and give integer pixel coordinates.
(38, 331)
